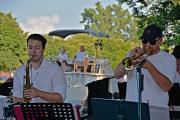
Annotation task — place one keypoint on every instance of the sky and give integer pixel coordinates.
(43, 16)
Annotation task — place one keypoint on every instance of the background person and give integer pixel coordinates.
(174, 93)
(63, 58)
(159, 70)
(47, 78)
(80, 59)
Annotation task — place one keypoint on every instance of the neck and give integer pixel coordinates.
(157, 51)
(36, 64)
(154, 52)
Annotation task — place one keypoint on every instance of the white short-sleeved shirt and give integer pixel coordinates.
(80, 56)
(62, 57)
(48, 77)
(152, 93)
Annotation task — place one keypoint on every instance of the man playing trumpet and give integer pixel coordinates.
(47, 80)
(159, 69)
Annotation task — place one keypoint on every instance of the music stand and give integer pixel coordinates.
(109, 109)
(46, 111)
(5, 88)
(97, 89)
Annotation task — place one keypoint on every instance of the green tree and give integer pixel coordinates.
(163, 13)
(112, 19)
(12, 42)
(112, 49)
(53, 47)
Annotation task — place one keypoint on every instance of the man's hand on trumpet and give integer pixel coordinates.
(140, 59)
(137, 55)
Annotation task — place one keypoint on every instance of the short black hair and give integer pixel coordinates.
(176, 51)
(38, 37)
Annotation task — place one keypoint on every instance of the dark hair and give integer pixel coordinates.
(38, 37)
(176, 51)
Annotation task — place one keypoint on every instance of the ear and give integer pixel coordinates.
(160, 41)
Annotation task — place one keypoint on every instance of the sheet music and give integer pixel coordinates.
(159, 113)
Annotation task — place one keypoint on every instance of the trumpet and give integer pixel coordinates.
(27, 81)
(128, 62)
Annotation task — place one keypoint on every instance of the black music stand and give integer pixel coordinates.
(47, 111)
(109, 109)
(5, 88)
(97, 89)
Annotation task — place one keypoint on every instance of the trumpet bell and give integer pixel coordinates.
(128, 63)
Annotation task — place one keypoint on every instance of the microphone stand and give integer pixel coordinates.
(140, 78)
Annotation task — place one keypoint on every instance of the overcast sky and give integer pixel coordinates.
(43, 16)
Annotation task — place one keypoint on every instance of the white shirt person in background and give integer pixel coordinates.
(48, 82)
(80, 59)
(80, 55)
(63, 58)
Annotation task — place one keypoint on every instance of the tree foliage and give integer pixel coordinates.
(112, 49)
(163, 13)
(11, 41)
(116, 22)
(53, 47)
(111, 19)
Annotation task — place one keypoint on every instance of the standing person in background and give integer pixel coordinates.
(176, 53)
(48, 82)
(63, 58)
(159, 70)
(174, 93)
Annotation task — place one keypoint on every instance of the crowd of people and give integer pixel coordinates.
(161, 72)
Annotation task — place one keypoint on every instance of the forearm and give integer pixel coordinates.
(119, 72)
(50, 97)
(162, 81)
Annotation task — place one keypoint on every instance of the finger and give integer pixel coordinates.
(27, 95)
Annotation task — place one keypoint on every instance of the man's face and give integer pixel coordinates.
(35, 50)
(82, 49)
(153, 48)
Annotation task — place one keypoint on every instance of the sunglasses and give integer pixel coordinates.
(150, 42)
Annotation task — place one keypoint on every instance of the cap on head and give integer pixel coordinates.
(176, 51)
(151, 33)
